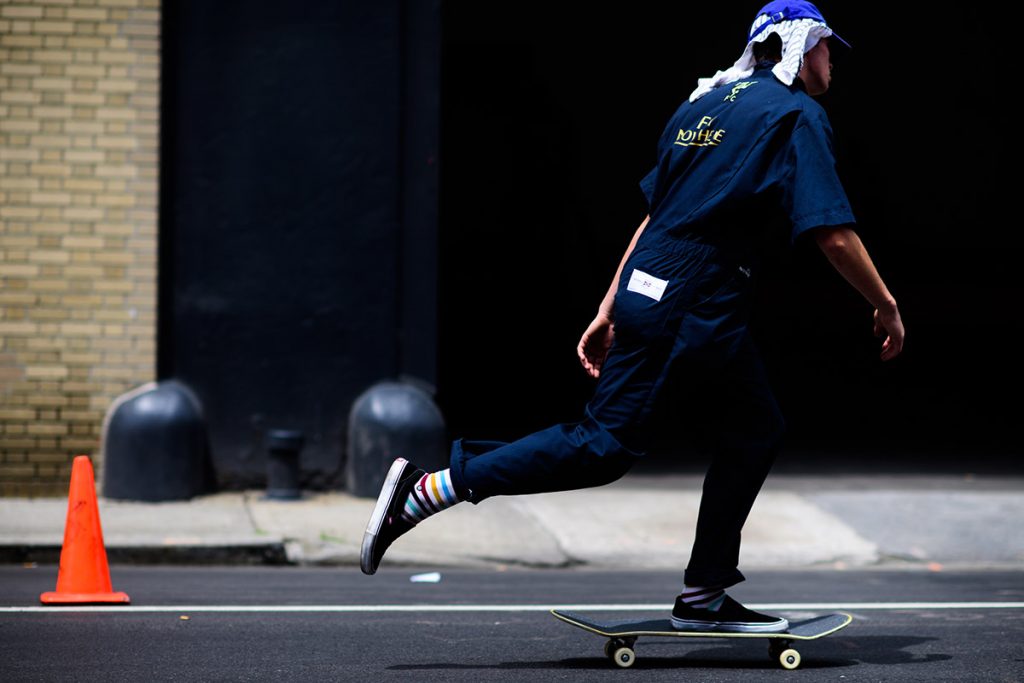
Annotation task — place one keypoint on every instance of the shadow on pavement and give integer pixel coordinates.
(844, 652)
(890, 650)
(602, 664)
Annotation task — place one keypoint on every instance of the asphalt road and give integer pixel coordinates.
(492, 624)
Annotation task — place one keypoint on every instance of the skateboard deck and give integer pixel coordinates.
(622, 635)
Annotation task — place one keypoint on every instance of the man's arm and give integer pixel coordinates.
(596, 341)
(607, 306)
(847, 254)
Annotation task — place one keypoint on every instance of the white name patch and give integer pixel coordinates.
(648, 285)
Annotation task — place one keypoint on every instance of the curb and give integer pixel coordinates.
(272, 553)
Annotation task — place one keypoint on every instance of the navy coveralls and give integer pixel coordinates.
(746, 161)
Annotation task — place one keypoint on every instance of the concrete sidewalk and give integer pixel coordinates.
(641, 521)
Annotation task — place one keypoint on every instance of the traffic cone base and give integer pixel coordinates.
(83, 598)
(84, 576)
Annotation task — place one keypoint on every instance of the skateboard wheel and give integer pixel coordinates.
(624, 657)
(609, 649)
(789, 659)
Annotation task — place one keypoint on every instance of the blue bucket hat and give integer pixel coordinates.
(788, 10)
(800, 27)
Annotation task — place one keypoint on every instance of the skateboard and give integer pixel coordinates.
(622, 634)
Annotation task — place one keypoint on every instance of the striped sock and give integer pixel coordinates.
(703, 597)
(433, 493)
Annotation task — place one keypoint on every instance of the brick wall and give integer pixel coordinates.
(79, 106)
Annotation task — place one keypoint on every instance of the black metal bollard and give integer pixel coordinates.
(390, 420)
(283, 448)
(155, 445)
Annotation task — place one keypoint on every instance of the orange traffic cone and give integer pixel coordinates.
(84, 576)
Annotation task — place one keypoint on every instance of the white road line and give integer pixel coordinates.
(642, 607)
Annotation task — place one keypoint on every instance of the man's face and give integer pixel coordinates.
(816, 72)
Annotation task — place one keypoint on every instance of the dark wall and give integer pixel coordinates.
(298, 213)
(551, 112)
(303, 259)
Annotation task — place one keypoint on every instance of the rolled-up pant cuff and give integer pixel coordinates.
(560, 458)
(718, 578)
(457, 467)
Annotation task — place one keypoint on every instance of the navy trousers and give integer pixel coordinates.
(694, 332)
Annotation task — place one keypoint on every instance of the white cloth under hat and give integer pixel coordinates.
(798, 36)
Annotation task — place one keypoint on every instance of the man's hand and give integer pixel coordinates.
(594, 344)
(889, 325)
(847, 254)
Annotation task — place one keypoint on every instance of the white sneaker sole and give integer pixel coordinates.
(730, 626)
(387, 493)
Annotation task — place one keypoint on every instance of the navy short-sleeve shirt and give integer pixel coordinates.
(745, 163)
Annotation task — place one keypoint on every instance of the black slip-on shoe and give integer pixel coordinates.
(386, 522)
(731, 617)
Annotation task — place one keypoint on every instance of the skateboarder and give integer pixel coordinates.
(746, 159)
